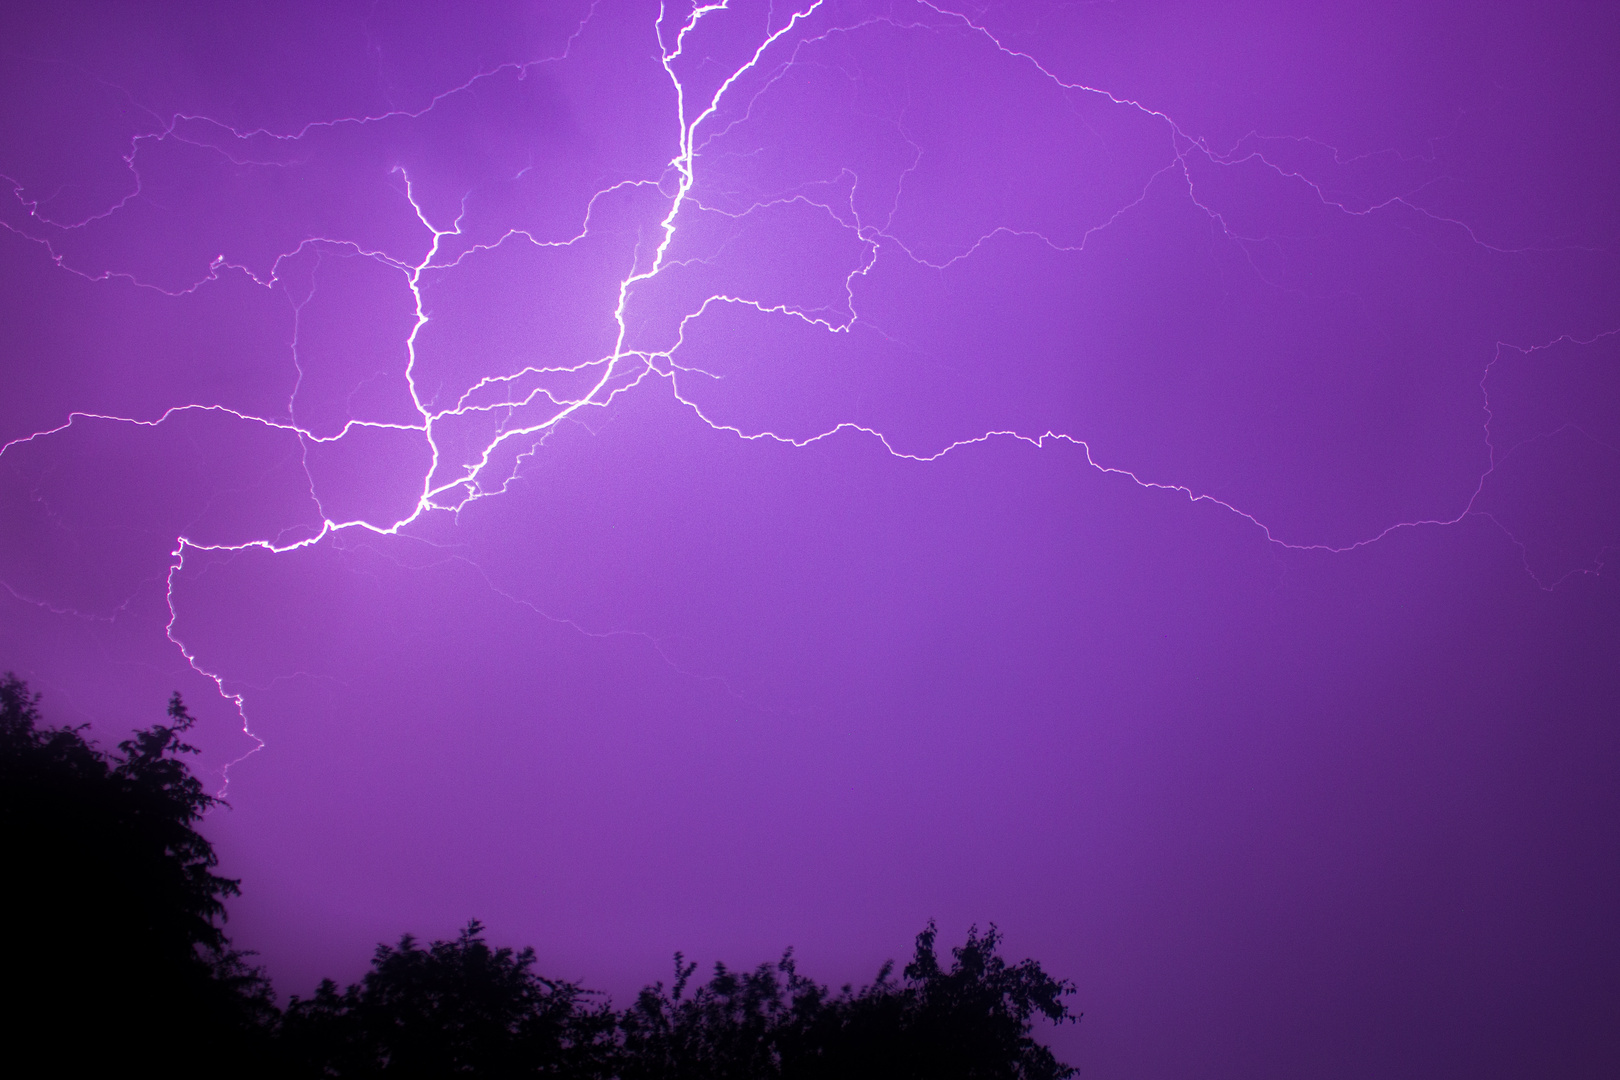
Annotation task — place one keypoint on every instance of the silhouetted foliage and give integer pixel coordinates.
(455, 1008)
(114, 954)
(116, 963)
(972, 1021)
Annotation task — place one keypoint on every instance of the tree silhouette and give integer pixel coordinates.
(115, 963)
(737, 1026)
(971, 1021)
(114, 956)
(975, 1019)
(454, 1008)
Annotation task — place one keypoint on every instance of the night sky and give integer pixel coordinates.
(1145, 475)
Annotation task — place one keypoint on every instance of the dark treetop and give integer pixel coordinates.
(116, 963)
(114, 955)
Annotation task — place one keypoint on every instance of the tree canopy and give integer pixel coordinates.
(972, 1020)
(115, 952)
(116, 961)
(453, 1008)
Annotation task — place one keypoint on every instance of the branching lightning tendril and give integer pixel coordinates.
(528, 409)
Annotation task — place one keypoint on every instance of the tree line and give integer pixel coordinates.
(116, 962)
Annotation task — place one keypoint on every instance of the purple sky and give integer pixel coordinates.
(1138, 474)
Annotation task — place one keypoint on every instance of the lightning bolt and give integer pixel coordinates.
(524, 405)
